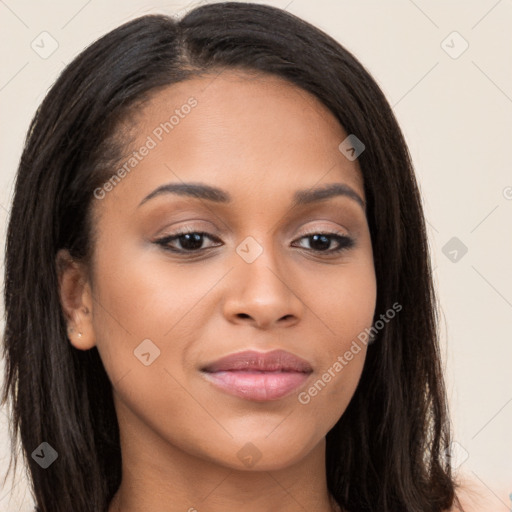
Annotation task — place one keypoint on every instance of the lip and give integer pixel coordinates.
(258, 376)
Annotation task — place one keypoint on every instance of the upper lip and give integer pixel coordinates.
(251, 360)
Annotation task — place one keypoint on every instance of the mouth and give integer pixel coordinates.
(258, 376)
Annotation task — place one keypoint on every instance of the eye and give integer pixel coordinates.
(190, 241)
(321, 242)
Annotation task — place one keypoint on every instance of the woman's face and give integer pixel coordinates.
(165, 309)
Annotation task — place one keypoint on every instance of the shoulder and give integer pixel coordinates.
(474, 496)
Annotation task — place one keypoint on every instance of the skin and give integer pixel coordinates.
(260, 139)
(476, 496)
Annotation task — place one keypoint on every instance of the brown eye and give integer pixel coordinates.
(188, 241)
(321, 242)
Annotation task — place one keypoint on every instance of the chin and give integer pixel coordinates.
(267, 452)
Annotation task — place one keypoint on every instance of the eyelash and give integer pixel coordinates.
(345, 242)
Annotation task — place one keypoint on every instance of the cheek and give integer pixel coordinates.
(347, 301)
(140, 297)
(347, 312)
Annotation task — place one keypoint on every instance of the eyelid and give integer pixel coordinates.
(188, 228)
(319, 230)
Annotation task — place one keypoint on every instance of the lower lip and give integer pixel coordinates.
(257, 386)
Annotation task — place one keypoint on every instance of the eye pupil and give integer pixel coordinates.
(192, 241)
(325, 242)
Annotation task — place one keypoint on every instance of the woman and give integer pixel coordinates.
(218, 291)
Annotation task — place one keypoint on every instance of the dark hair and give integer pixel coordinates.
(387, 451)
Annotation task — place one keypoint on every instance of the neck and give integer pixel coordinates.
(157, 475)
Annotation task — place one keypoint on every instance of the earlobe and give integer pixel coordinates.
(76, 301)
(80, 330)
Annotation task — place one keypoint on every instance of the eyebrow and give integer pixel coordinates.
(210, 193)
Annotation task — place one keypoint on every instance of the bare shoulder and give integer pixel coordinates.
(474, 496)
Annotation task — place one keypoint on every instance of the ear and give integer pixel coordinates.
(76, 300)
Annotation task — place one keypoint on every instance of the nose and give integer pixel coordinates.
(262, 295)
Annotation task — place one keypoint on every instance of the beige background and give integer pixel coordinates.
(456, 114)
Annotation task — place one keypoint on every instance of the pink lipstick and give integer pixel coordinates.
(258, 376)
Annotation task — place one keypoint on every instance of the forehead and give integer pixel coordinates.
(241, 130)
